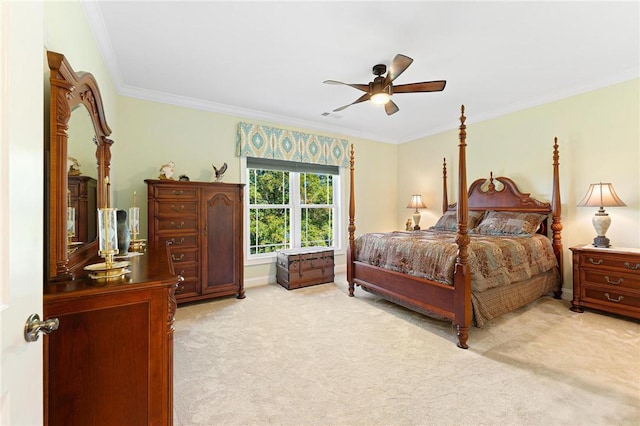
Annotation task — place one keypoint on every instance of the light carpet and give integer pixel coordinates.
(314, 356)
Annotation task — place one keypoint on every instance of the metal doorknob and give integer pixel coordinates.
(34, 326)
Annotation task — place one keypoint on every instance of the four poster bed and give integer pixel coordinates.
(488, 254)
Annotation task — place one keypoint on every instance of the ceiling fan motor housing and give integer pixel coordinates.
(377, 86)
(379, 69)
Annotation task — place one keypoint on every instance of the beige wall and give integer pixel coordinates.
(598, 134)
(152, 134)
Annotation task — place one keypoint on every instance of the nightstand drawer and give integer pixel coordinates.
(612, 279)
(610, 261)
(611, 298)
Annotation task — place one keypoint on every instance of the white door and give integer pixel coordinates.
(21, 201)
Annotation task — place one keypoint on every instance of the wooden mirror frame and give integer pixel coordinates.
(69, 89)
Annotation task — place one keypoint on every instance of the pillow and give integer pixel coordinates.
(509, 223)
(449, 220)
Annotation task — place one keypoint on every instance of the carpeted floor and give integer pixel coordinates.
(315, 356)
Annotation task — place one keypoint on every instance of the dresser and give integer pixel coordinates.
(202, 224)
(110, 362)
(607, 279)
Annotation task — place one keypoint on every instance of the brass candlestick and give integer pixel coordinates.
(107, 244)
(136, 245)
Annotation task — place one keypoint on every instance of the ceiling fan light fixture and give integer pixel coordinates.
(380, 98)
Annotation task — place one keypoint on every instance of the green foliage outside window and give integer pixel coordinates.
(270, 209)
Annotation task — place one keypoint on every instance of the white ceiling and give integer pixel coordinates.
(267, 60)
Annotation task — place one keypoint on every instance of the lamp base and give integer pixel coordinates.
(601, 241)
(416, 220)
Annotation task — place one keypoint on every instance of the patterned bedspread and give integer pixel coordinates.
(494, 261)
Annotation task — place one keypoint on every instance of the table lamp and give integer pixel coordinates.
(416, 203)
(601, 195)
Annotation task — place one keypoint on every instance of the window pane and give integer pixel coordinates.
(269, 230)
(268, 187)
(317, 227)
(316, 188)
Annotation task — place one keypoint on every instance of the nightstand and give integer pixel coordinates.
(607, 279)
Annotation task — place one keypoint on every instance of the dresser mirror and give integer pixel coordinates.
(82, 171)
(77, 129)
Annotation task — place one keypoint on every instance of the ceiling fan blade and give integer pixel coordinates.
(426, 86)
(398, 66)
(362, 98)
(363, 87)
(391, 108)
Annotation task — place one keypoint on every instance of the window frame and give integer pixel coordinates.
(296, 213)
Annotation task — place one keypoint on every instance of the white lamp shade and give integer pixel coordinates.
(416, 202)
(601, 195)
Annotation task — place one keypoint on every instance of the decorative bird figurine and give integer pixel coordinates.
(166, 170)
(74, 167)
(219, 171)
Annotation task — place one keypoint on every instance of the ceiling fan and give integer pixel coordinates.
(379, 90)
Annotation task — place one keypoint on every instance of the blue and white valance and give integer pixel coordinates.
(259, 141)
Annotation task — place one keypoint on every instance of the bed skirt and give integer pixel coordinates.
(492, 303)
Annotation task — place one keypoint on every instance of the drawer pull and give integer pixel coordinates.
(619, 281)
(173, 241)
(630, 266)
(176, 259)
(594, 262)
(180, 287)
(176, 192)
(175, 225)
(619, 299)
(177, 209)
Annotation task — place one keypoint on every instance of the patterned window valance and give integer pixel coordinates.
(259, 141)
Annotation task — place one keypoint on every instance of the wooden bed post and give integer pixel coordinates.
(445, 199)
(556, 209)
(462, 273)
(352, 226)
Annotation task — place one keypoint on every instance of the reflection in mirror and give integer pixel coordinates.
(82, 173)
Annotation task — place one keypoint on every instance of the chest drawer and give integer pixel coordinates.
(183, 255)
(189, 271)
(179, 241)
(185, 224)
(175, 192)
(180, 207)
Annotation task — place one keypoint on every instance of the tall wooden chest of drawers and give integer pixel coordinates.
(83, 197)
(202, 222)
(607, 279)
(304, 267)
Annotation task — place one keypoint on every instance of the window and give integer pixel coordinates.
(290, 205)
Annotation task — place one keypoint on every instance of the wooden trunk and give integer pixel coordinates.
(304, 267)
